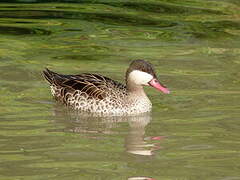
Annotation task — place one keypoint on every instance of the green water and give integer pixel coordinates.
(191, 134)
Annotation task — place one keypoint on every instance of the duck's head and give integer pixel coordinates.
(141, 73)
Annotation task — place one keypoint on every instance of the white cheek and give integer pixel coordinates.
(140, 77)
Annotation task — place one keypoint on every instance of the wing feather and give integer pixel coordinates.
(94, 85)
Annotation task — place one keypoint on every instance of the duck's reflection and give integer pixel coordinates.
(136, 142)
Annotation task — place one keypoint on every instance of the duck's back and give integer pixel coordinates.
(87, 92)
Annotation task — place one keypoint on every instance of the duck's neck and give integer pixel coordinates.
(134, 89)
(137, 99)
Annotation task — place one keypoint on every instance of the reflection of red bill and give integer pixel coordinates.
(140, 178)
(156, 84)
(158, 137)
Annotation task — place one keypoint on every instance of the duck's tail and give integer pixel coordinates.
(48, 75)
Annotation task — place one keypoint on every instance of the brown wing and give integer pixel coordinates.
(93, 85)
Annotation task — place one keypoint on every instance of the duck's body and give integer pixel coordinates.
(95, 93)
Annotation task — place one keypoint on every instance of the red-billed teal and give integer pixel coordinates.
(95, 93)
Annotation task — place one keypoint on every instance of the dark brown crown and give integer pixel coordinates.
(141, 65)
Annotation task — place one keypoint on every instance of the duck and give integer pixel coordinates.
(95, 93)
